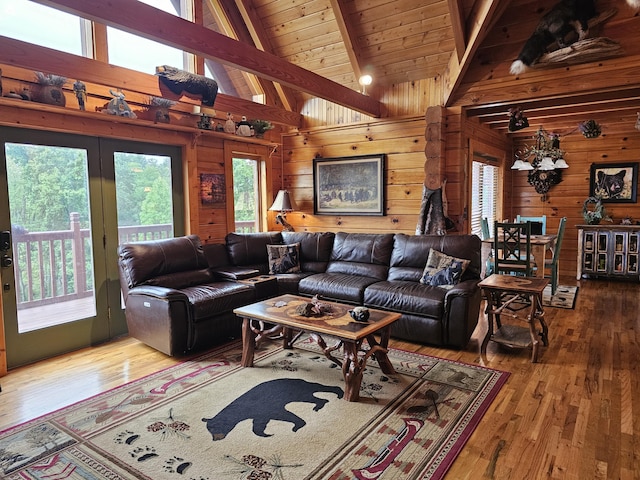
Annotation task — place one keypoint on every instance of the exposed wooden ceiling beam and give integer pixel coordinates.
(257, 35)
(141, 19)
(457, 23)
(347, 31)
(482, 19)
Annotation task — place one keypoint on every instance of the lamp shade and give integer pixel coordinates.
(561, 163)
(526, 166)
(283, 202)
(517, 165)
(547, 164)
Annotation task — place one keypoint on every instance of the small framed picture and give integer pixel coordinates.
(614, 182)
(349, 185)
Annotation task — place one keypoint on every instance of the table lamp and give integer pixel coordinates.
(283, 204)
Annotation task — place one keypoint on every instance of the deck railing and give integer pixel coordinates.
(57, 266)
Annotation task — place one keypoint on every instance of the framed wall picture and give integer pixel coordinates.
(349, 185)
(212, 189)
(614, 182)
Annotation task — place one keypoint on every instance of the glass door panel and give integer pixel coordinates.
(51, 234)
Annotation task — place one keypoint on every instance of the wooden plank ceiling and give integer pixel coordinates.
(285, 50)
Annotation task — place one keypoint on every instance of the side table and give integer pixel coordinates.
(501, 292)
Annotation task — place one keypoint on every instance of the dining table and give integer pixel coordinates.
(540, 244)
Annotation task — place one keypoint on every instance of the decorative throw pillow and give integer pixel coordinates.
(284, 258)
(443, 269)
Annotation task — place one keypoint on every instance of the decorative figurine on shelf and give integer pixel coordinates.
(230, 125)
(244, 128)
(50, 89)
(80, 90)
(205, 122)
(219, 127)
(180, 82)
(160, 106)
(118, 106)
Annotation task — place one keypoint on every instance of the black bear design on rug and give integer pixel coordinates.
(266, 402)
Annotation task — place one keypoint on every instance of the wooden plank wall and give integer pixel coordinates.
(619, 142)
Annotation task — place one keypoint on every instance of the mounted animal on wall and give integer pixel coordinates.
(567, 24)
(565, 17)
(180, 82)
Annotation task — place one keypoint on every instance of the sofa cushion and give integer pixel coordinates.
(211, 299)
(180, 280)
(406, 297)
(442, 269)
(142, 261)
(284, 258)
(315, 249)
(410, 253)
(361, 254)
(250, 249)
(336, 286)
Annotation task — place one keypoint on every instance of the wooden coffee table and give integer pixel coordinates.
(282, 313)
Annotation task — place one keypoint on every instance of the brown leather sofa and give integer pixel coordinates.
(180, 294)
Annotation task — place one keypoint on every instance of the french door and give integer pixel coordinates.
(67, 201)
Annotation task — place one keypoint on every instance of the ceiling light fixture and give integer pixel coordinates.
(365, 81)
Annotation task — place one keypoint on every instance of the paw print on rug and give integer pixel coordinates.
(126, 437)
(142, 454)
(176, 465)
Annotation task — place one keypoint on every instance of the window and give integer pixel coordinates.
(246, 195)
(138, 53)
(34, 23)
(484, 195)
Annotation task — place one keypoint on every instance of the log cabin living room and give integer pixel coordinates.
(460, 113)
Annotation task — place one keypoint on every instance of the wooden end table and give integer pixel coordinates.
(281, 312)
(495, 287)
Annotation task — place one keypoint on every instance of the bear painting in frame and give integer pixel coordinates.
(614, 182)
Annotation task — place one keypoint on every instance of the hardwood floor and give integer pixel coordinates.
(573, 415)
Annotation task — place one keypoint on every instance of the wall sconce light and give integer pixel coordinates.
(544, 161)
(283, 203)
(365, 81)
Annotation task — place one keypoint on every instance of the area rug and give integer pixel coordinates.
(565, 297)
(285, 418)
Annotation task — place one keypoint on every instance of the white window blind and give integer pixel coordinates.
(484, 196)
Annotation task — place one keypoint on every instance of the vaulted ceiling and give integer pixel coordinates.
(286, 49)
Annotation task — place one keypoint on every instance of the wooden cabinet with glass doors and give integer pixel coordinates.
(608, 250)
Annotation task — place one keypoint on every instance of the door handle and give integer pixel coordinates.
(6, 261)
(5, 241)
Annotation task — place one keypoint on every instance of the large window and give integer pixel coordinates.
(34, 23)
(484, 195)
(138, 53)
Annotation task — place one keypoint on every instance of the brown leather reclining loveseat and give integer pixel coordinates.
(180, 294)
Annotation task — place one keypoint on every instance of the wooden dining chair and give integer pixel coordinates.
(538, 224)
(551, 264)
(512, 248)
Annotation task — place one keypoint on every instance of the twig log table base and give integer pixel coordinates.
(279, 318)
(496, 288)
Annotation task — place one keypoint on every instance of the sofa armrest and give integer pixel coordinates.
(159, 317)
(461, 312)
